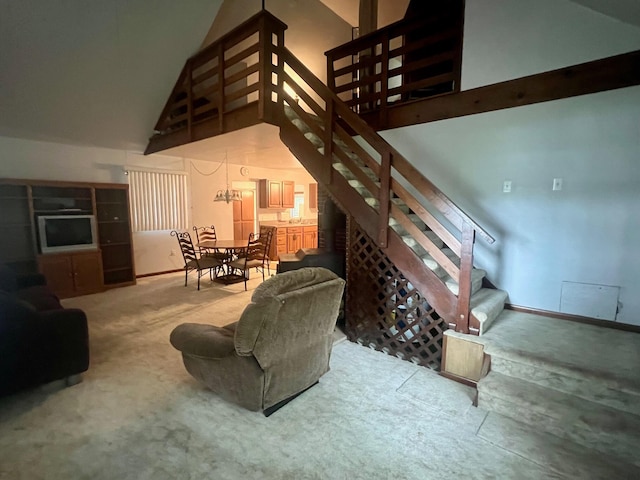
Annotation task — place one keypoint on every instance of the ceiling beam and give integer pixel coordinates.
(610, 73)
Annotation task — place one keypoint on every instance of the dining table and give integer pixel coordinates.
(232, 249)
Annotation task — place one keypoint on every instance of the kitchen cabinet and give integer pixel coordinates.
(288, 194)
(290, 239)
(71, 274)
(294, 239)
(310, 237)
(279, 246)
(276, 193)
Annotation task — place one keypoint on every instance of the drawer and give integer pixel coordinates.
(294, 230)
(310, 229)
(281, 240)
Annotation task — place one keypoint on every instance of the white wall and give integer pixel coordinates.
(153, 251)
(312, 27)
(589, 231)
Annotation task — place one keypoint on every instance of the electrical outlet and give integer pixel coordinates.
(557, 184)
(506, 186)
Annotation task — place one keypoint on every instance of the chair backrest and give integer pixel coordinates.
(204, 234)
(266, 236)
(308, 299)
(186, 246)
(288, 327)
(256, 248)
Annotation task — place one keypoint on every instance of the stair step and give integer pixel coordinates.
(477, 275)
(373, 202)
(565, 457)
(348, 174)
(592, 425)
(431, 263)
(361, 189)
(574, 382)
(486, 305)
(315, 140)
(415, 219)
(412, 242)
(554, 348)
(300, 125)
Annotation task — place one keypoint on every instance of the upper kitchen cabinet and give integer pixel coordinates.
(276, 193)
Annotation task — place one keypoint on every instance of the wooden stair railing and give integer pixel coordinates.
(400, 62)
(248, 77)
(222, 87)
(316, 120)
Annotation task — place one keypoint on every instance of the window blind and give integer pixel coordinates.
(158, 200)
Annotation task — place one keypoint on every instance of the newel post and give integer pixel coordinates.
(463, 310)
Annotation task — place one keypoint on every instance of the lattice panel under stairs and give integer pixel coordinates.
(384, 311)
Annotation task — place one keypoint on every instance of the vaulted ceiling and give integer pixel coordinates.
(98, 73)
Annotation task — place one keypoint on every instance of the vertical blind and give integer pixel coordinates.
(158, 200)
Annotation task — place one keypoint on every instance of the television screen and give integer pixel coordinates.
(66, 232)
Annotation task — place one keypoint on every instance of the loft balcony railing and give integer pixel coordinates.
(248, 77)
(407, 60)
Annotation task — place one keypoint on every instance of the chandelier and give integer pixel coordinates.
(227, 195)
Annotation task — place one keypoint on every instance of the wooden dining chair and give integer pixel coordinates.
(194, 262)
(255, 256)
(266, 235)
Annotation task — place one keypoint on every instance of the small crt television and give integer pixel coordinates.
(64, 233)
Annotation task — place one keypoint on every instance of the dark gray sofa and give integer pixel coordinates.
(40, 340)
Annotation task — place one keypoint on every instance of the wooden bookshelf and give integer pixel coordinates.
(69, 273)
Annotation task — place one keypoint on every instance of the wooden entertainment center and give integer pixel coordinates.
(69, 272)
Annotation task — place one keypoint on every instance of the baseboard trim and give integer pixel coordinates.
(159, 273)
(575, 318)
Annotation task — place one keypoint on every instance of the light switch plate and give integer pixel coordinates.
(557, 184)
(506, 186)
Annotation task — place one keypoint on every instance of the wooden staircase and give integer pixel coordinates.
(249, 76)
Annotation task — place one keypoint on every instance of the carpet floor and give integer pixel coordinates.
(139, 415)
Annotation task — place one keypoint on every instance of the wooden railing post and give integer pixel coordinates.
(280, 71)
(264, 53)
(329, 121)
(221, 86)
(385, 198)
(189, 99)
(384, 79)
(464, 280)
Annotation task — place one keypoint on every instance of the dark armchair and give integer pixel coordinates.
(40, 341)
(280, 346)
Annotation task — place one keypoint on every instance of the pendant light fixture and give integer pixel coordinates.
(227, 195)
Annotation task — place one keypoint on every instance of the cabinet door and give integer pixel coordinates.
(294, 239)
(288, 193)
(310, 237)
(58, 270)
(281, 242)
(87, 272)
(274, 199)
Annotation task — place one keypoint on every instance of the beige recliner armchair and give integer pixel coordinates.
(280, 346)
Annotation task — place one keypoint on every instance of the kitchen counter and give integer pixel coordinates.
(304, 223)
(291, 237)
